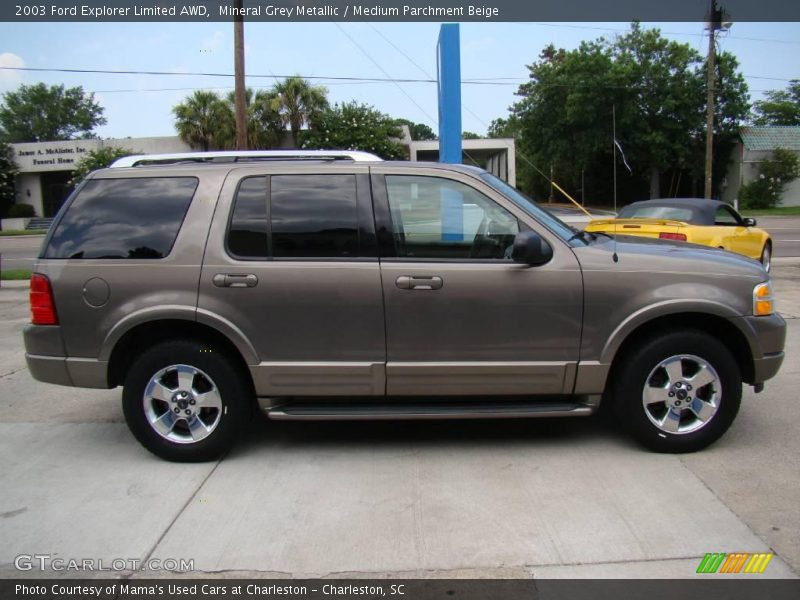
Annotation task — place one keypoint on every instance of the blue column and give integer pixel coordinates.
(448, 67)
(449, 71)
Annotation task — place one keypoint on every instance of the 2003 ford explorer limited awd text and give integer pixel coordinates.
(332, 285)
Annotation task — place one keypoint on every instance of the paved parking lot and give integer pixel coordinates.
(549, 498)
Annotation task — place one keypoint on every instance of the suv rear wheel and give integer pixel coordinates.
(679, 392)
(184, 401)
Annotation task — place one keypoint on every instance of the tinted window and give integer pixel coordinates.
(123, 218)
(434, 217)
(673, 213)
(247, 235)
(313, 216)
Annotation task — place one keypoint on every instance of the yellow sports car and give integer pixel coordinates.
(695, 220)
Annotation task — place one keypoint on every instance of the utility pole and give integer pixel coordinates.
(238, 69)
(714, 22)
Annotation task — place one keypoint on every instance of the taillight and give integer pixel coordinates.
(43, 308)
(679, 237)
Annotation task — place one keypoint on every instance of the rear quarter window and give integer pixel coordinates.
(136, 218)
(672, 213)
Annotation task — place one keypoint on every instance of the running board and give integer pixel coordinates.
(381, 410)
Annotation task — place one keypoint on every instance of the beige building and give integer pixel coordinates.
(756, 144)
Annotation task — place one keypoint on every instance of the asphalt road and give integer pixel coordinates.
(19, 252)
(785, 231)
(547, 498)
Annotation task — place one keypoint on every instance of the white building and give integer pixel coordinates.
(46, 167)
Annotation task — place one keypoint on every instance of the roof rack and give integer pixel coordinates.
(242, 156)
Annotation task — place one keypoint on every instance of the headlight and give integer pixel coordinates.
(763, 299)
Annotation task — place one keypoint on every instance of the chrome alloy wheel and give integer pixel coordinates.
(182, 404)
(681, 394)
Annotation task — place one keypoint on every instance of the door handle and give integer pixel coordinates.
(415, 282)
(235, 280)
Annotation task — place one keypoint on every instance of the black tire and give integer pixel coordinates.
(766, 256)
(642, 365)
(227, 410)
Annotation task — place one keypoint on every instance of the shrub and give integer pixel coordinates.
(96, 159)
(774, 174)
(21, 211)
(8, 171)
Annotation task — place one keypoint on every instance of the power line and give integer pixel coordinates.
(500, 81)
(476, 81)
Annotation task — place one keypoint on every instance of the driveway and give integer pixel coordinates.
(547, 498)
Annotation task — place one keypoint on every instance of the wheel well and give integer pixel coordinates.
(718, 327)
(143, 336)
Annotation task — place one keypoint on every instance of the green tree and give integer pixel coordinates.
(418, 131)
(780, 107)
(8, 171)
(563, 119)
(203, 121)
(655, 88)
(354, 126)
(503, 128)
(731, 109)
(39, 113)
(469, 135)
(660, 107)
(299, 103)
(96, 159)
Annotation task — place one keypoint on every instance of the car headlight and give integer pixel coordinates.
(763, 299)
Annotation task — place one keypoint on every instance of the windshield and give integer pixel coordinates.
(549, 220)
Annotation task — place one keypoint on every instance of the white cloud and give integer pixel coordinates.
(10, 80)
(214, 42)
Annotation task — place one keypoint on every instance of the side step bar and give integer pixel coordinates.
(382, 410)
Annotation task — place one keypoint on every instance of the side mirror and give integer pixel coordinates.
(749, 222)
(531, 249)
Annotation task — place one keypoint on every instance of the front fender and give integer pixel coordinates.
(658, 310)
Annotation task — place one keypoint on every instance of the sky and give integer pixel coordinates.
(768, 53)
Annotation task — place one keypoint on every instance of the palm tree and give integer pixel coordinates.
(298, 102)
(264, 125)
(201, 120)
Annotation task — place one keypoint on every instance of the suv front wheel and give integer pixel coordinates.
(679, 392)
(184, 401)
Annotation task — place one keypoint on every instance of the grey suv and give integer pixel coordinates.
(332, 285)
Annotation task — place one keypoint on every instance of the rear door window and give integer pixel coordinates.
(136, 218)
(287, 217)
(313, 216)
